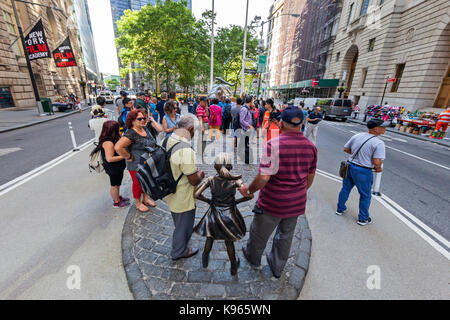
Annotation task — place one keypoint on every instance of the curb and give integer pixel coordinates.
(42, 121)
(406, 134)
(133, 273)
(141, 291)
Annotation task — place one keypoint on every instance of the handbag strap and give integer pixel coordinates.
(356, 153)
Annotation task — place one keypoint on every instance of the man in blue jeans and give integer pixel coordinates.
(368, 152)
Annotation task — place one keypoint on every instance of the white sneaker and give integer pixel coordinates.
(340, 213)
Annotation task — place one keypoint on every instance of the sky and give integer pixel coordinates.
(227, 11)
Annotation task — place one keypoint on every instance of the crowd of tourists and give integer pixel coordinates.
(144, 124)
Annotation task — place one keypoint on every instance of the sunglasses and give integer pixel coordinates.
(141, 119)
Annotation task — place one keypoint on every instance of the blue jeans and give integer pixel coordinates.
(363, 179)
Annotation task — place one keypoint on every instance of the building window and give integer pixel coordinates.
(337, 56)
(371, 44)
(364, 7)
(398, 76)
(13, 34)
(363, 78)
(350, 12)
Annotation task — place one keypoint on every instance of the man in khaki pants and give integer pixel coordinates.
(313, 120)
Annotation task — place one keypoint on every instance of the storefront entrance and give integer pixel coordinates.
(6, 100)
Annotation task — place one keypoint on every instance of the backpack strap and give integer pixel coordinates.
(177, 146)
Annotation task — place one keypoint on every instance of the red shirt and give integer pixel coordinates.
(294, 157)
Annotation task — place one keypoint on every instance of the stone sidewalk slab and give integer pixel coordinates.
(152, 274)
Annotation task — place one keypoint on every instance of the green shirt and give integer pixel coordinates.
(181, 162)
(141, 104)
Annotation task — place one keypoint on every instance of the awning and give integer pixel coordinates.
(323, 83)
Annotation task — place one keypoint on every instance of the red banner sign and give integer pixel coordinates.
(64, 56)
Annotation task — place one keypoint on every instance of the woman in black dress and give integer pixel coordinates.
(113, 163)
(222, 221)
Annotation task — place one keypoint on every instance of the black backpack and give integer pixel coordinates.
(226, 112)
(154, 172)
(237, 121)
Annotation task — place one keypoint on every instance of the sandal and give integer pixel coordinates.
(144, 210)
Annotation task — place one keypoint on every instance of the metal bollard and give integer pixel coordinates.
(377, 184)
(72, 135)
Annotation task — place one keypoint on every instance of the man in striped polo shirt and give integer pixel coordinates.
(286, 171)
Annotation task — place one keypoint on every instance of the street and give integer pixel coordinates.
(87, 232)
(416, 173)
(36, 145)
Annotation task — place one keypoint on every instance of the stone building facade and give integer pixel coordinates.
(408, 40)
(51, 81)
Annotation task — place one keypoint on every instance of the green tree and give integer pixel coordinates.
(112, 83)
(165, 40)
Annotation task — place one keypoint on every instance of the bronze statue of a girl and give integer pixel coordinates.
(222, 221)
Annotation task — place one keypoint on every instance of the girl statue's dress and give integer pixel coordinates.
(222, 220)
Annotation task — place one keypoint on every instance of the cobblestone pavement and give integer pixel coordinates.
(152, 274)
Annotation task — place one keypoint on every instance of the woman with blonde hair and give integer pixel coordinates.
(222, 221)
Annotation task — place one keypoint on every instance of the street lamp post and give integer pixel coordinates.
(211, 79)
(245, 48)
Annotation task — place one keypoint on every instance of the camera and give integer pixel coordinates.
(275, 115)
(257, 210)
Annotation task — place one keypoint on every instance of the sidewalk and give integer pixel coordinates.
(61, 218)
(444, 142)
(21, 118)
(344, 254)
(152, 274)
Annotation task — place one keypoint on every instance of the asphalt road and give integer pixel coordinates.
(28, 148)
(414, 171)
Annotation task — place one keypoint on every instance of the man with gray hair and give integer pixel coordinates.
(160, 106)
(182, 203)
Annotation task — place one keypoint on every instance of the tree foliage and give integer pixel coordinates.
(167, 44)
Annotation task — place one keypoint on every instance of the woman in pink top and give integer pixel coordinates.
(215, 118)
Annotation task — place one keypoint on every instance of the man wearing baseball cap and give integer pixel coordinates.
(367, 154)
(119, 102)
(286, 172)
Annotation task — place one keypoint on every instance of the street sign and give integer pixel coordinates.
(261, 68)
(250, 71)
(392, 79)
(262, 59)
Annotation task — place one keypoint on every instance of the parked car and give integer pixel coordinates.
(336, 108)
(108, 96)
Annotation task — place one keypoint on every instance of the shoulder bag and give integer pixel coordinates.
(343, 169)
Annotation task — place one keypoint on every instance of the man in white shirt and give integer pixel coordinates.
(368, 152)
(98, 117)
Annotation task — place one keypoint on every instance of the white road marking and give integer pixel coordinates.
(397, 211)
(397, 139)
(8, 150)
(11, 185)
(411, 155)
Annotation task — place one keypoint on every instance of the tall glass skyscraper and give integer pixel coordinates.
(87, 39)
